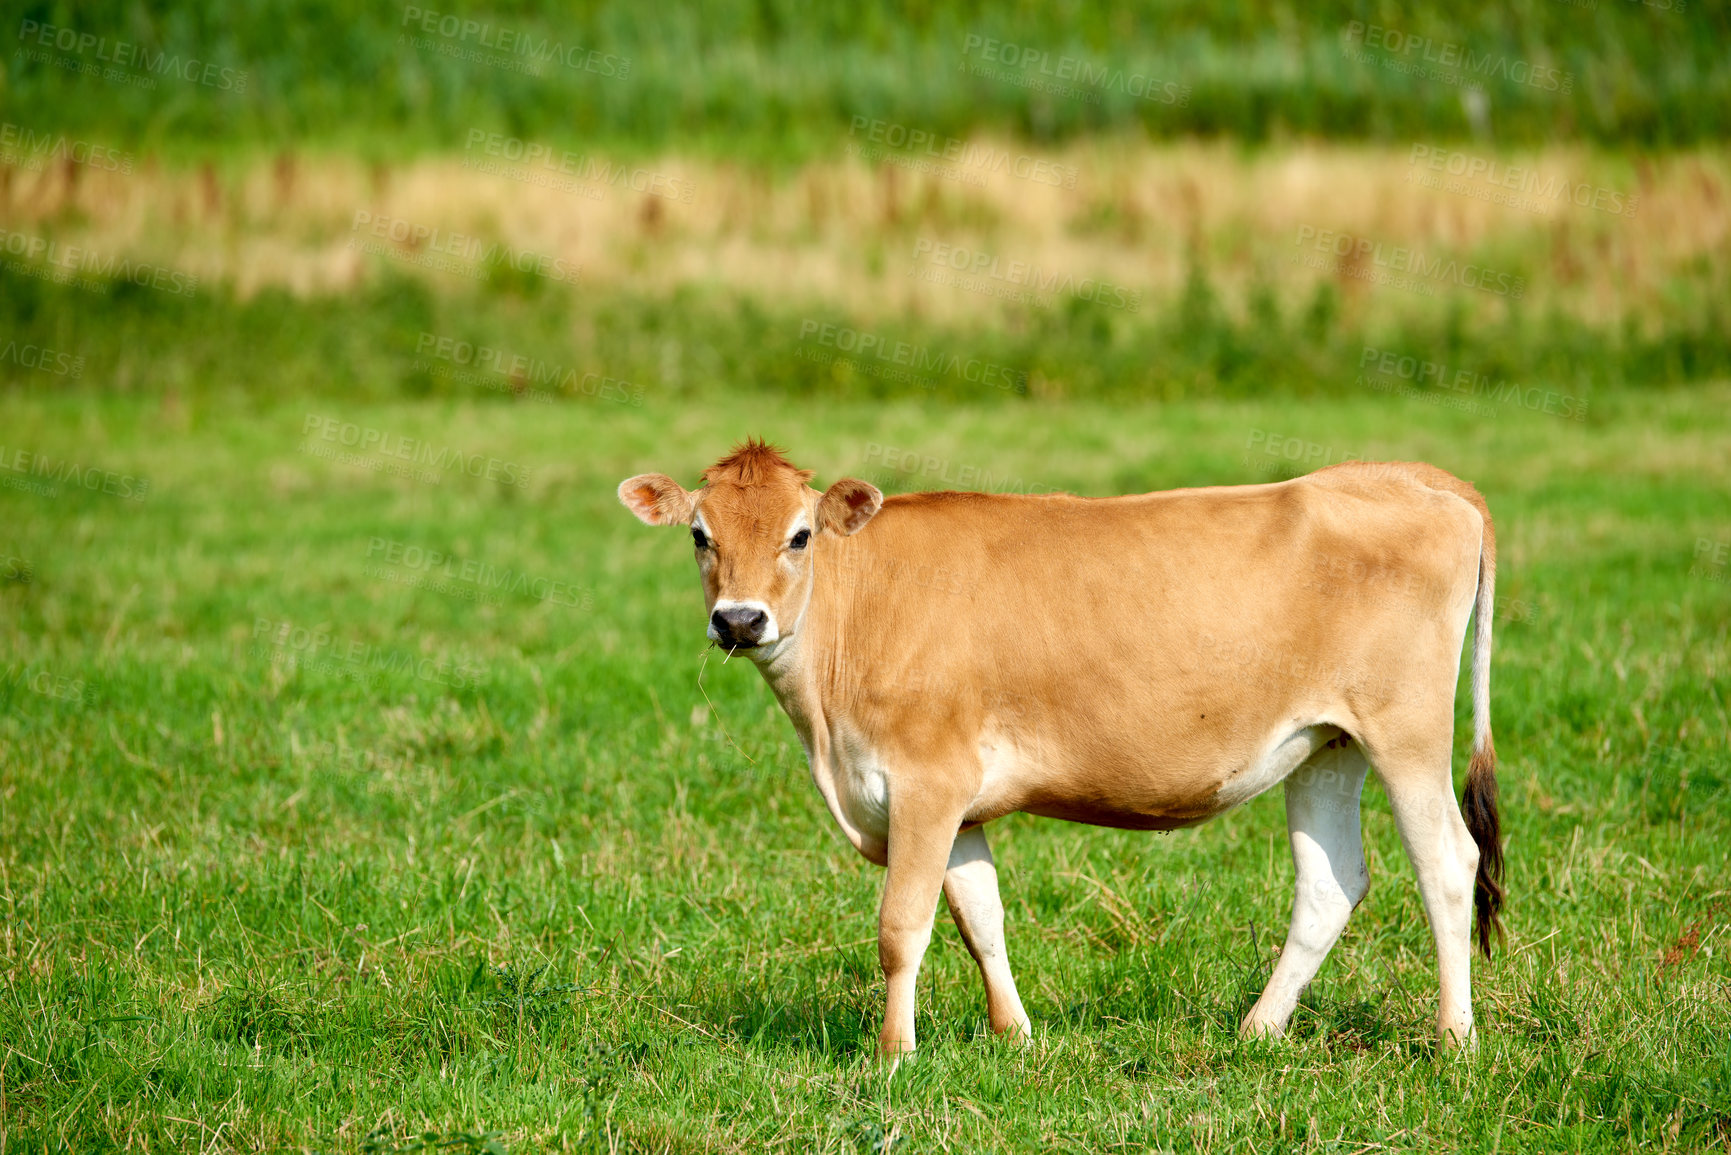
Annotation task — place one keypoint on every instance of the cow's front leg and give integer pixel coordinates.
(971, 885)
(921, 832)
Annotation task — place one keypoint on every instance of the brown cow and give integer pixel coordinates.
(1143, 662)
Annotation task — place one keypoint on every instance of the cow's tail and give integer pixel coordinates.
(1479, 804)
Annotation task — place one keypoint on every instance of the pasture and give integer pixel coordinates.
(366, 783)
(344, 808)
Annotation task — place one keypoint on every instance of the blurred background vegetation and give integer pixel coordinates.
(779, 79)
(778, 122)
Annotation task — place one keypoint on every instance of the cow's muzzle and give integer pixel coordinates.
(738, 627)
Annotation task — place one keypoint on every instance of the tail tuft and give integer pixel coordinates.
(1479, 809)
(1479, 804)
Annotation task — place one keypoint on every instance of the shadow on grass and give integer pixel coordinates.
(761, 1017)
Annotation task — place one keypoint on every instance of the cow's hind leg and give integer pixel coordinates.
(1322, 821)
(971, 887)
(1446, 859)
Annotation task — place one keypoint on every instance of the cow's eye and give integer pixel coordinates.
(800, 539)
(699, 540)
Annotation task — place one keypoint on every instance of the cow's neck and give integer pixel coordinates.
(799, 673)
(788, 671)
(795, 666)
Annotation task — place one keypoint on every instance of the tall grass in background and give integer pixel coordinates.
(784, 79)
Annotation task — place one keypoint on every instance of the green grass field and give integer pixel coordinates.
(308, 842)
(355, 805)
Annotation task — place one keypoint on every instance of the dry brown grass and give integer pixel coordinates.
(843, 233)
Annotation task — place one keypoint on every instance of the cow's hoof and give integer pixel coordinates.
(891, 1052)
(1255, 1028)
(1458, 1038)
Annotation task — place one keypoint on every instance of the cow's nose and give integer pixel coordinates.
(739, 626)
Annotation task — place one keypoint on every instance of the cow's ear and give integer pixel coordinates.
(847, 505)
(656, 499)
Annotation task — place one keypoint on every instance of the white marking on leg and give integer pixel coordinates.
(1446, 859)
(1322, 820)
(971, 887)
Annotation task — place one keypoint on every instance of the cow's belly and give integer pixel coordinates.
(1134, 786)
(1148, 788)
(1095, 813)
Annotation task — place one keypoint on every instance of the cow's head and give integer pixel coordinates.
(753, 525)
